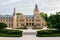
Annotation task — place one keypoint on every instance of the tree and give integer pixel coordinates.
(57, 26)
(44, 15)
(2, 25)
(55, 20)
(18, 13)
(49, 24)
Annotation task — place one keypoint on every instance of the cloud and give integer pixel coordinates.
(27, 6)
(36, 1)
(6, 2)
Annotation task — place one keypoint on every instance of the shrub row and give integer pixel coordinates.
(11, 33)
(48, 33)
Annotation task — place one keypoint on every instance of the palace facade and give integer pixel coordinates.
(24, 21)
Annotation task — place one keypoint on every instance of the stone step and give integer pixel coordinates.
(29, 33)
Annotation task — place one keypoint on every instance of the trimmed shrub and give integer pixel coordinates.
(48, 33)
(11, 33)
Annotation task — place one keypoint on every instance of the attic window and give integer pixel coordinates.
(1, 17)
(7, 17)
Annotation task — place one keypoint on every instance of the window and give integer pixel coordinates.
(9, 24)
(9, 19)
(21, 17)
(29, 23)
(21, 20)
(38, 20)
(4, 20)
(29, 20)
(32, 20)
(37, 24)
(17, 20)
(22, 24)
(32, 24)
(1, 20)
(26, 24)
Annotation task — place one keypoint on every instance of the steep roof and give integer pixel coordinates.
(29, 16)
(5, 16)
(10, 16)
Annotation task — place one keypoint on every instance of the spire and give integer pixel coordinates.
(14, 12)
(36, 7)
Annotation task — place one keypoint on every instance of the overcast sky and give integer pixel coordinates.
(27, 6)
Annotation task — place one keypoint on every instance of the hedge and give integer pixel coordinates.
(48, 33)
(11, 33)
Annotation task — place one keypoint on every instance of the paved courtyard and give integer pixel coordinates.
(29, 37)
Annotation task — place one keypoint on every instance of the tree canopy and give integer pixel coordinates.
(2, 25)
(44, 15)
(18, 13)
(53, 20)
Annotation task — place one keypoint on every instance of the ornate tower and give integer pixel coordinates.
(38, 19)
(36, 11)
(14, 20)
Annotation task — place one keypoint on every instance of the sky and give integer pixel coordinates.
(27, 6)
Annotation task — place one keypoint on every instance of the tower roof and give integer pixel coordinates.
(36, 7)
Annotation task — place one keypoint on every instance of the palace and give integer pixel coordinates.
(18, 20)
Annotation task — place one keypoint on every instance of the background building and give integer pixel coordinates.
(24, 21)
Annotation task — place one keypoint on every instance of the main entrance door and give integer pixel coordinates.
(29, 25)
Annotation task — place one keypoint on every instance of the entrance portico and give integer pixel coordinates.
(30, 25)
